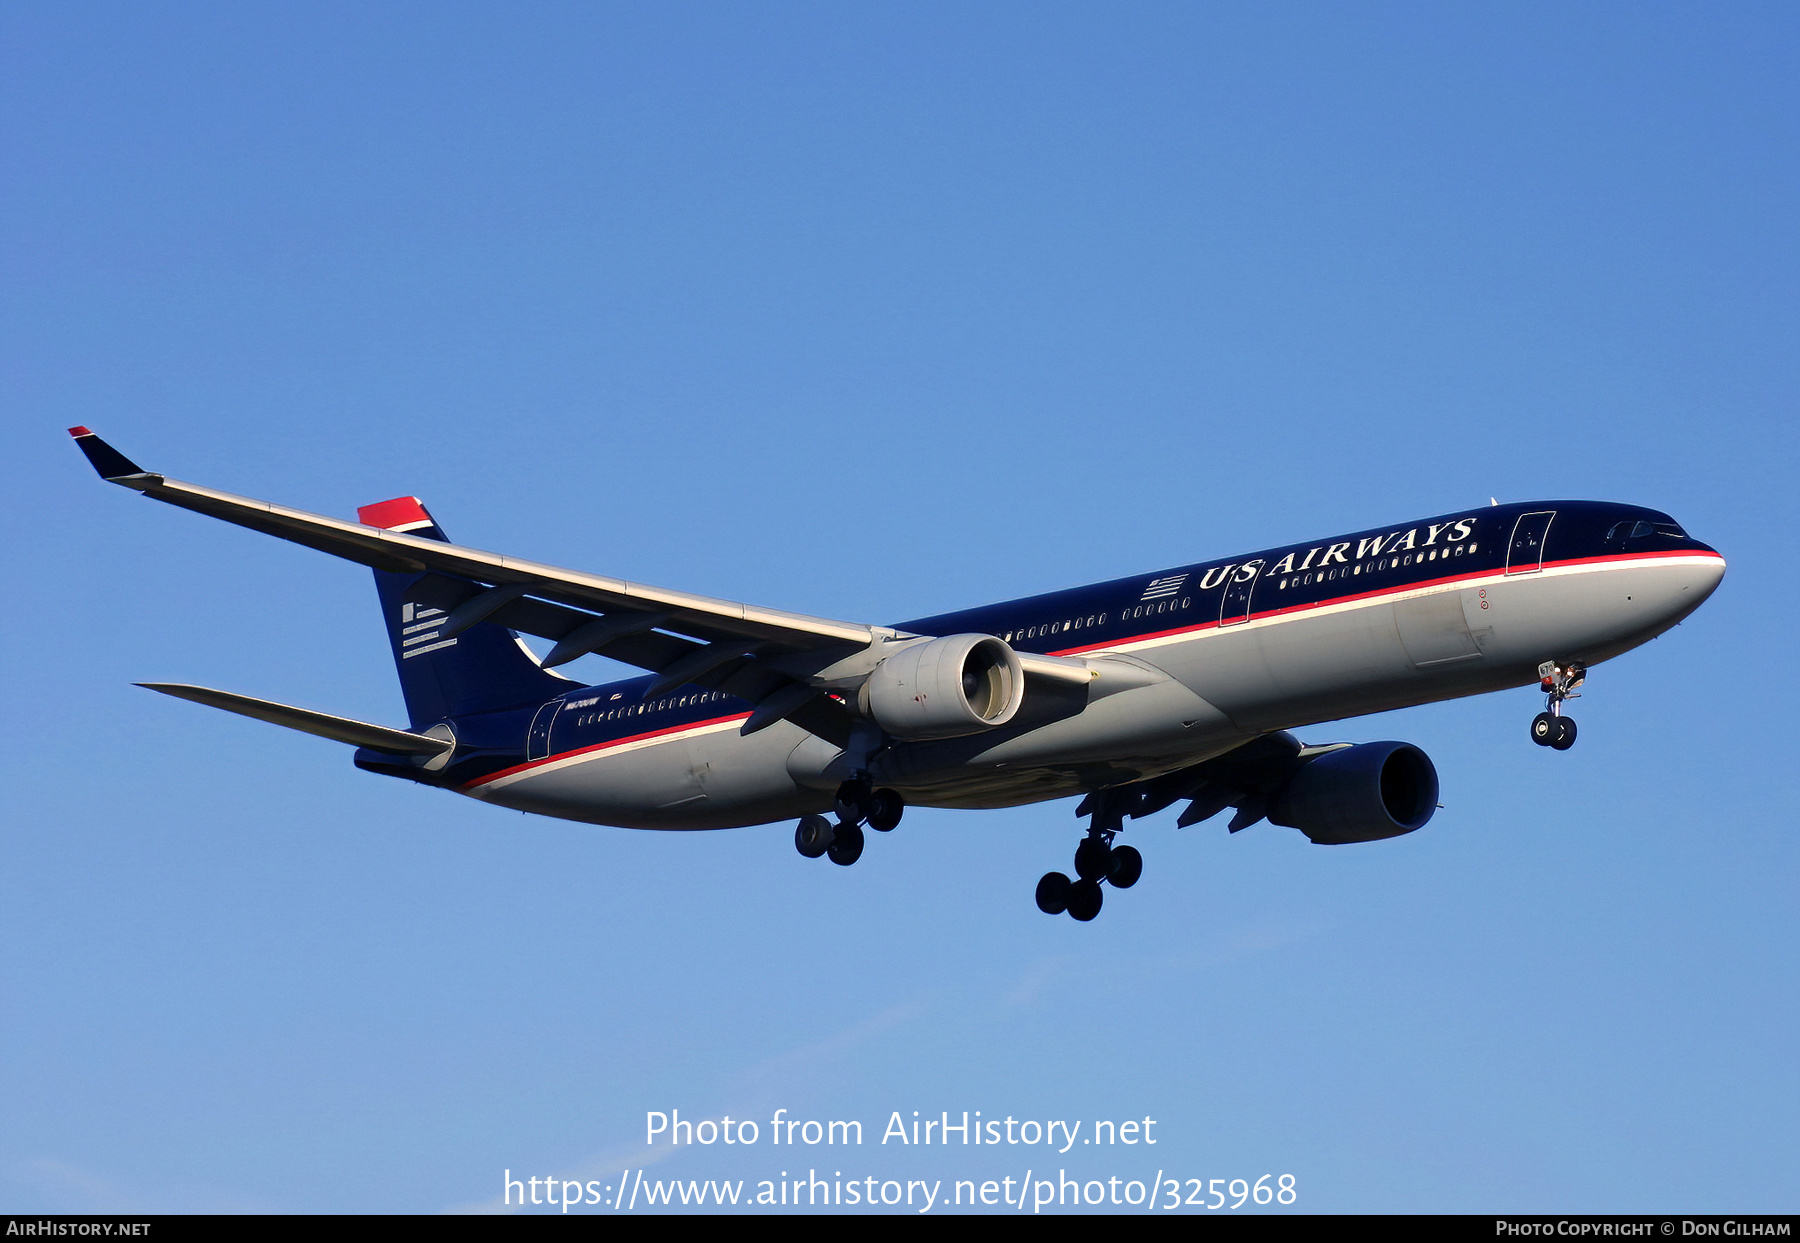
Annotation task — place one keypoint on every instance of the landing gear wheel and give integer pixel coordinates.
(846, 845)
(1053, 893)
(812, 836)
(1125, 868)
(1558, 682)
(852, 802)
(1084, 900)
(884, 808)
(1093, 859)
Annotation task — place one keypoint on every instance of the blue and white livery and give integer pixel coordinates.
(1178, 685)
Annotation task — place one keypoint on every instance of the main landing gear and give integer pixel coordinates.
(1550, 728)
(1096, 860)
(856, 805)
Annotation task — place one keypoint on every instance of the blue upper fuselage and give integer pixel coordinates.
(1396, 557)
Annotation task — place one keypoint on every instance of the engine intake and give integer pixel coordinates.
(1360, 794)
(946, 688)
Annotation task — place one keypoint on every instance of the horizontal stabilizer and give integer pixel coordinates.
(336, 728)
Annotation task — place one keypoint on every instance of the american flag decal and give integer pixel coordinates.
(418, 627)
(1162, 588)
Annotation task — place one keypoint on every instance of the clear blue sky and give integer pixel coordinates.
(876, 311)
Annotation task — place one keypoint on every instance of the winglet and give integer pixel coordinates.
(107, 461)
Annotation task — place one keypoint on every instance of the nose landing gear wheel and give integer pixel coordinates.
(1543, 729)
(1558, 682)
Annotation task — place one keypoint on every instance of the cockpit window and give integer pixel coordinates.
(1631, 529)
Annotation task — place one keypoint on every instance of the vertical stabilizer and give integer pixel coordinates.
(483, 669)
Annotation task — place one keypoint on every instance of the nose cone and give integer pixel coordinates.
(1708, 572)
(1684, 585)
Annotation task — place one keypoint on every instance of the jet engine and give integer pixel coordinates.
(945, 688)
(1359, 794)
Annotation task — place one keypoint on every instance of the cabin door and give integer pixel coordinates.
(537, 743)
(1236, 605)
(1526, 555)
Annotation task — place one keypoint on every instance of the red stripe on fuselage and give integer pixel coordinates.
(1352, 597)
(600, 746)
(1111, 643)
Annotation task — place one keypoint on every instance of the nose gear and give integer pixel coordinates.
(1550, 728)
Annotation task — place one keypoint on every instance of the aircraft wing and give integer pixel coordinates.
(780, 661)
(703, 617)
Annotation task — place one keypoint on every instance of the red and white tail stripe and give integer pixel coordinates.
(403, 513)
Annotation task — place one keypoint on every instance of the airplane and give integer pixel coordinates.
(1139, 693)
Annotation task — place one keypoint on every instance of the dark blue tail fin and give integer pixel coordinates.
(484, 669)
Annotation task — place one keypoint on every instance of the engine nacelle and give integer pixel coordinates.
(946, 688)
(1360, 794)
